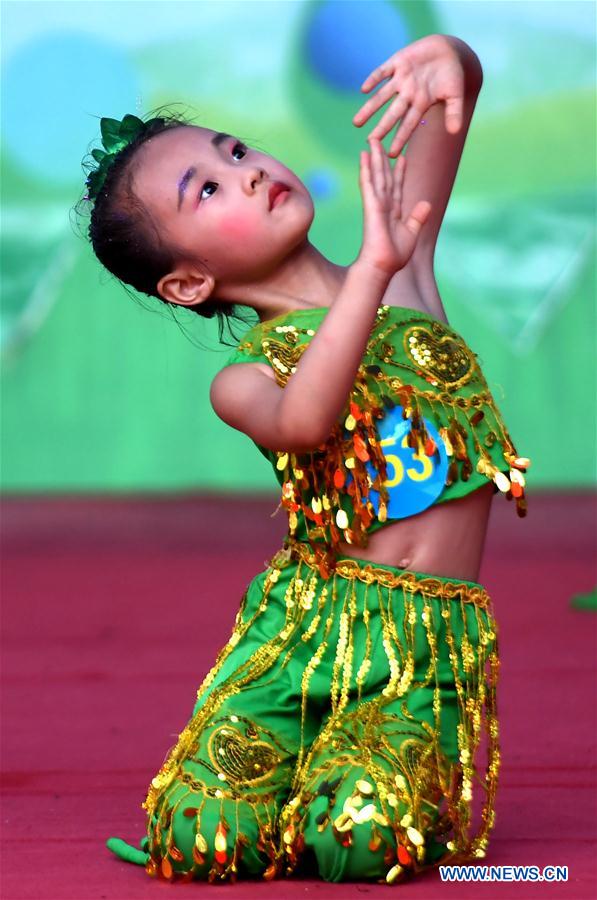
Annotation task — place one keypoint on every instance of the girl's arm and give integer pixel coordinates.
(436, 79)
(301, 415)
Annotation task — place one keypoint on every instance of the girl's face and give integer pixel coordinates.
(210, 195)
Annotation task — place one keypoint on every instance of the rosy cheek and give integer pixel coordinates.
(236, 228)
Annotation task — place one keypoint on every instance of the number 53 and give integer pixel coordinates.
(412, 473)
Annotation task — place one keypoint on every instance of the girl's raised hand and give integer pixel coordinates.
(389, 238)
(425, 72)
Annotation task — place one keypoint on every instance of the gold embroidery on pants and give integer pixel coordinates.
(410, 785)
(241, 758)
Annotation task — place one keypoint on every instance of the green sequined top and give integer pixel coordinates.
(421, 367)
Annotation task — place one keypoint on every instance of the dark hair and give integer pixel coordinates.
(125, 237)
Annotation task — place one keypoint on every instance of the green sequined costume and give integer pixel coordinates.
(338, 732)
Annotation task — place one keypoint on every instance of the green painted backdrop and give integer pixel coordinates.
(99, 394)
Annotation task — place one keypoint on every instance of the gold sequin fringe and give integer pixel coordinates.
(417, 798)
(420, 364)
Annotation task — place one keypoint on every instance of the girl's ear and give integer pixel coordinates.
(186, 286)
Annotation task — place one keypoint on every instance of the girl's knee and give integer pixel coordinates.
(347, 835)
(348, 826)
(349, 860)
(209, 841)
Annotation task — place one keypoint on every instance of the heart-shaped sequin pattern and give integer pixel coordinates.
(283, 358)
(241, 758)
(439, 354)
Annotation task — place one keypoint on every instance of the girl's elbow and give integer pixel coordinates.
(302, 436)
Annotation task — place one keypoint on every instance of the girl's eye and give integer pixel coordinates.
(238, 147)
(242, 148)
(214, 183)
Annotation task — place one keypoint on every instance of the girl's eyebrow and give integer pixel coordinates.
(190, 173)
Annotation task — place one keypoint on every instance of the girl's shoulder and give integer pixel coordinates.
(248, 352)
(254, 364)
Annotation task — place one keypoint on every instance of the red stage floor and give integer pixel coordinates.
(113, 615)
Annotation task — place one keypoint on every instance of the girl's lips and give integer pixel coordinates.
(277, 193)
(281, 197)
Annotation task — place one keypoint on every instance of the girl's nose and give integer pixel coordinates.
(253, 177)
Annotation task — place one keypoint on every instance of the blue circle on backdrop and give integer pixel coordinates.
(322, 183)
(414, 482)
(54, 90)
(345, 41)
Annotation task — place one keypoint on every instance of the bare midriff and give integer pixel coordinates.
(446, 539)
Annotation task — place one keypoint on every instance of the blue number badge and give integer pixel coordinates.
(414, 480)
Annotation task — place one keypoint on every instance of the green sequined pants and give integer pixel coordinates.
(337, 734)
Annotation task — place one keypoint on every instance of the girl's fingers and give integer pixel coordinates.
(377, 75)
(364, 174)
(407, 126)
(378, 183)
(454, 114)
(418, 217)
(397, 187)
(365, 180)
(384, 168)
(394, 112)
(388, 171)
(381, 156)
(373, 104)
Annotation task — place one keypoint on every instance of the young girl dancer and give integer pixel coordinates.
(337, 731)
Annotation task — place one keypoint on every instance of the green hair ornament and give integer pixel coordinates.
(116, 135)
